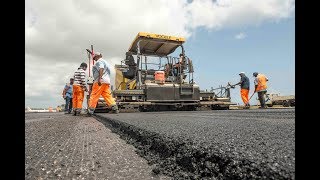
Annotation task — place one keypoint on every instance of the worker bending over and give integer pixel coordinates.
(101, 84)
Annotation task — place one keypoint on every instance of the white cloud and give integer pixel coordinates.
(240, 36)
(232, 13)
(58, 34)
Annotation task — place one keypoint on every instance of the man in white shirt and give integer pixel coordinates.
(101, 85)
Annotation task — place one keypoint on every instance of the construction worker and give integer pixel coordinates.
(260, 84)
(101, 84)
(79, 86)
(67, 95)
(179, 68)
(244, 88)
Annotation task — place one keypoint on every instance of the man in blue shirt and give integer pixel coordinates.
(67, 95)
(244, 89)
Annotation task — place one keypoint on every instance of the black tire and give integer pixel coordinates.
(269, 105)
(286, 103)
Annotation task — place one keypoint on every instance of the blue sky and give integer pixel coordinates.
(268, 48)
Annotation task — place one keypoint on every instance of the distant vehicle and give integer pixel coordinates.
(276, 99)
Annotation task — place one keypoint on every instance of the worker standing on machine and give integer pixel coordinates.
(179, 68)
(101, 85)
(244, 89)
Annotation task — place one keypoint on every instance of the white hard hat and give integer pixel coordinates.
(96, 54)
(241, 73)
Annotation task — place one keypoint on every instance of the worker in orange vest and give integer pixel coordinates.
(260, 84)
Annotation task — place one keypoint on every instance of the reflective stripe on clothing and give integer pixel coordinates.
(97, 91)
(78, 95)
(245, 95)
(261, 82)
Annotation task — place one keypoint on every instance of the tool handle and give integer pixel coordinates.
(252, 95)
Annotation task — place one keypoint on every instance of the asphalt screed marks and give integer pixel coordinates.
(181, 159)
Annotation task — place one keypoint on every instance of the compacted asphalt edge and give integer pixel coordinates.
(181, 159)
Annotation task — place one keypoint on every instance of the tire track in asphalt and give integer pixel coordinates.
(91, 154)
(48, 163)
(63, 163)
(74, 150)
(56, 161)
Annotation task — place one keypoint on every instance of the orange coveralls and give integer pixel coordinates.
(77, 95)
(245, 95)
(104, 91)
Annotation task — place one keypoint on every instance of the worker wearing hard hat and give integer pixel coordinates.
(244, 88)
(79, 86)
(260, 84)
(101, 84)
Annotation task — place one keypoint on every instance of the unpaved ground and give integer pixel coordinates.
(230, 144)
(59, 146)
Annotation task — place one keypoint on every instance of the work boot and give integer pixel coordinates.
(115, 109)
(87, 114)
(247, 106)
(76, 112)
(90, 111)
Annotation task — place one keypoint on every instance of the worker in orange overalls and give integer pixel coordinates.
(79, 86)
(101, 84)
(260, 83)
(244, 88)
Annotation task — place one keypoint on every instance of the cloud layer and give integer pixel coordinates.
(57, 34)
(240, 36)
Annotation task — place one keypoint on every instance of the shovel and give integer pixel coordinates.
(252, 95)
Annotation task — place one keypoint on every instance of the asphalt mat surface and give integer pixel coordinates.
(59, 146)
(221, 144)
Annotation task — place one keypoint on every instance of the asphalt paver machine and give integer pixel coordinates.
(150, 79)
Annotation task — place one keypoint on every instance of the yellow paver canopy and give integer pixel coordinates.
(155, 44)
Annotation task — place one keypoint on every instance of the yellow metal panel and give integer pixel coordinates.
(151, 41)
(121, 81)
(160, 36)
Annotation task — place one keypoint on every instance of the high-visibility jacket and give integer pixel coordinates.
(262, 82)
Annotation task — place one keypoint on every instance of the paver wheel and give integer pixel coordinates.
(286, 103)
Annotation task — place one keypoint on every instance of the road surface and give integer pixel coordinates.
(225, 144)
(59, 146)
